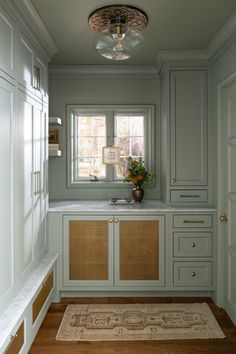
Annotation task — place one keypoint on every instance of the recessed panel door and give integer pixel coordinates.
(139, 251)
(88, 251)
(227, 227)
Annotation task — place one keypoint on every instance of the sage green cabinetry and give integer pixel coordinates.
(193, 253)
(185, 120)
(7, 111)
(113, 252)
(7, 45)
(23, 178)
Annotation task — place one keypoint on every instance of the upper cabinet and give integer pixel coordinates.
(32, 70)
(6, 45)
(184, 114)
(188, 111)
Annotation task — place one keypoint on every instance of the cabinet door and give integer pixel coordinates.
(25, 63)
(6, 248)
(39, 161)
(188, 128)
(23, 189)
(139, 251)
(88, 251)
(6, 45)
(40, 68)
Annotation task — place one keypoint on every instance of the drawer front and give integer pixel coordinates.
(42, 296)
(17, 341)
(193, 221)
(192, 274)
(192, 244)
(188, 196)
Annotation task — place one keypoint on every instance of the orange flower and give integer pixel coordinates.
(139, 177)
(134, 180)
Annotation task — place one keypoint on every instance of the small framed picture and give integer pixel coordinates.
(53, 137)
(110, 155)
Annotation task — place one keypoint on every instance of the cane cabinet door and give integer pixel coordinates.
(88, 251)
(139, 251)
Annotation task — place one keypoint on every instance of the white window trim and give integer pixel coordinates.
(149, 131)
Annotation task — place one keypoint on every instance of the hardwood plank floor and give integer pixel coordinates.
(45, 342)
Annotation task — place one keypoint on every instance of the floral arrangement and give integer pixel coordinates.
(135, 172)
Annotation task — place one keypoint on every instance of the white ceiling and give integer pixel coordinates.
(173, 25)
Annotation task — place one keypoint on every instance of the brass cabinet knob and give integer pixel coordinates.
(173, 180)
(116, 221)
(193, 274)
(110, 221)
(223, 218)
(193, 244)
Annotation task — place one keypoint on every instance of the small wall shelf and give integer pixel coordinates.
(55, 153)
(55, 121)
(54, 146)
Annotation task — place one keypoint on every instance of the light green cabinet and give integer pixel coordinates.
(188, 105)
(193, 247)
(184, 113)
(113, 251)
(7, 37)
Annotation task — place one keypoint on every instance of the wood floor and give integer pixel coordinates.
(45, 342)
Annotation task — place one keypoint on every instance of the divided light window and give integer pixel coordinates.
(92, 128)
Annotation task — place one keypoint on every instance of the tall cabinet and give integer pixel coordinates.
(185, 126)
(23, 157)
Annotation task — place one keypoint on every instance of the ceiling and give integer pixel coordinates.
(173, 25)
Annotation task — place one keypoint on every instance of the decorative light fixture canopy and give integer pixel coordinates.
(118, 28)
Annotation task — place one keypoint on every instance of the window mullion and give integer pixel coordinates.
(110, 142)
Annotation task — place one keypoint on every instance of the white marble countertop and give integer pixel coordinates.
(106, 207)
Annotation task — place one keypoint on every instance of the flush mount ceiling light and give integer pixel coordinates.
(118, 28)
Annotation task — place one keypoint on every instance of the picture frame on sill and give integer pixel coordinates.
(110, 155)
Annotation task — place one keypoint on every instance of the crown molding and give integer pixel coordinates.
(224, 38)
(186, 57)
(33, 22)
(102, 69)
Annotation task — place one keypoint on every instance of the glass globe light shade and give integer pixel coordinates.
(118, 41)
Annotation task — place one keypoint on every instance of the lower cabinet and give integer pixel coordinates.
(42, 297)
(24, 315)
(193, 251)
(113, 251)
(17, 340)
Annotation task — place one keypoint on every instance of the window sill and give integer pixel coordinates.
(99, 184)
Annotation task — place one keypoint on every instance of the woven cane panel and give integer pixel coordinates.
(131, 15)
(42, 297)
(17, 342)
(139, 250)
(88, 250)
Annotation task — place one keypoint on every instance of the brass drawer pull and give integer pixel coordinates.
(193, 244)
(189, 196)
(193, 221)
(173, 180)
(116, 221)
(193, 274)
(110, 221)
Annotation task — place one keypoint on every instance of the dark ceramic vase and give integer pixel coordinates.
(138, 194)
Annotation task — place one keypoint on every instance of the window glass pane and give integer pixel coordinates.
(122, 126)
(136, 126)
(90, 137)
(89, 166)
(129, 136)
(137, 148)
(124, 144)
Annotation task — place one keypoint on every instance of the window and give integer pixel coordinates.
(90, 128)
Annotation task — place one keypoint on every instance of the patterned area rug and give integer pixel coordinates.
(138, 322)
